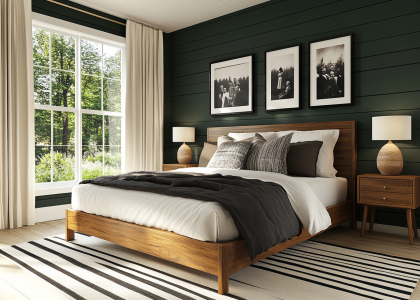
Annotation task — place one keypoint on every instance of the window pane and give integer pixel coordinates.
(92, 162)
(92, 151)
(91, 57)
(112, 95)
(64, 128)
(112, 160)
(112, 131)
(41, 47)
(91, 92)
(112, 62)
(42, 85)
(42, 164)
(63, 163)
(62, 52)
(42, 127)
(92, 130)
(62, 88)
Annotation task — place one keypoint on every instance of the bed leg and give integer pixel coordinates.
(69, 232)
(223, 270)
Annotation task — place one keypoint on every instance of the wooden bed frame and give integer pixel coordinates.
(222, 259)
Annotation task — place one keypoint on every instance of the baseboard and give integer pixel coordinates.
(381, 228)
(44, 214)
(385, 228)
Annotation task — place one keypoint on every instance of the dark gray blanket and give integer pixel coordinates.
(261, 210)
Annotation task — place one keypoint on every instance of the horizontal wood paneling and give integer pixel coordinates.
(52, 200)
(386, 70)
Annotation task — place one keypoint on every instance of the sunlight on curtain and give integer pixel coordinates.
(17, 172)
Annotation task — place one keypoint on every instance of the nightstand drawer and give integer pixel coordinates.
(386, 199)
(386, 185)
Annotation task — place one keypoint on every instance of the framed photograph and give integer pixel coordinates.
(231, 86)
(331, 72)
(282, 79)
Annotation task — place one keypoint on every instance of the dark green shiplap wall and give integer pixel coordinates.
(64, 13)
(386, 70)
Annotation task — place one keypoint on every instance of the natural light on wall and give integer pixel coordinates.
(78, 107)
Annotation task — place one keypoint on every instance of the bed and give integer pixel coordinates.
(219, 255)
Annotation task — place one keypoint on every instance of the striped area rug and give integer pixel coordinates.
(90, 268)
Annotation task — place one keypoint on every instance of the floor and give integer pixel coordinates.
(16, 283)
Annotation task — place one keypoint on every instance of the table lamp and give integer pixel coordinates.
(390, 159)
(184, 134)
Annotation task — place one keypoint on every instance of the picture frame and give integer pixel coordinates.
(231, 83)
(331, 72)
(283, 88)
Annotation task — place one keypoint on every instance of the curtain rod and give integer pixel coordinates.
(92, 14)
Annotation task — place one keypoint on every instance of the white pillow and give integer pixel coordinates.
(325, 163)
(269, 136)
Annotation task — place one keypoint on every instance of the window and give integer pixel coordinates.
(78, 107)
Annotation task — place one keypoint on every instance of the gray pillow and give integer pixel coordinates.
(269, 156)
(207, 153)
(230, 154)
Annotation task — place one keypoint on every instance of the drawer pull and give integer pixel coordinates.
(384, 187)
(384, 198)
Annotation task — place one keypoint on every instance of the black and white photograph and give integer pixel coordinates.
(283, 79)
(331, 72)
(231, 86)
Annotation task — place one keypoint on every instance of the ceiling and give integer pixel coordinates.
(169, 15)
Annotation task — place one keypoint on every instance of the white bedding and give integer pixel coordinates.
(201, 220)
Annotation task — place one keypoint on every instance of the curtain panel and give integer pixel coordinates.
(144, 98)
(17, 167)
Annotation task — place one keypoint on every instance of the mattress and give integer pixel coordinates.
(201, 220)
(330, 191)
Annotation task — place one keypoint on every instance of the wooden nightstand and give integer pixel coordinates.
(402, 191)
(170, 167)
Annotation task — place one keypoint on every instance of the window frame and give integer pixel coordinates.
(51, 187)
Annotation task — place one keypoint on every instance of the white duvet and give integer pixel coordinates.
(201, 220)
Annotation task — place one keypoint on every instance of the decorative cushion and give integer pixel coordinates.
(230, 154)
(269, 156)
(302, 158)
(207, 153)
(325, 163)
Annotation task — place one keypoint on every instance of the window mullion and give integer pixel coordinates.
(78, 125)
(52, 112)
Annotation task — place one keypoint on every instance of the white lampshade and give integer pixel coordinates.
(183, 134)
(391, 128)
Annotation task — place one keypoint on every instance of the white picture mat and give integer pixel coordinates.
(347, 71)
(237, 109)
(284, 103)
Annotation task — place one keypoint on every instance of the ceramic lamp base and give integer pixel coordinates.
(390, 160)
(184, 154)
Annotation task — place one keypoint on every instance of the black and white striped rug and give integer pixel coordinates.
(90, 268)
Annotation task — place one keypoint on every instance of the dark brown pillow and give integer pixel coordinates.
(302, 158)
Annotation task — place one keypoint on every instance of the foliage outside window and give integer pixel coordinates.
(78, 113)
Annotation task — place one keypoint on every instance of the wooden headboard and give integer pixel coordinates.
(345, 151)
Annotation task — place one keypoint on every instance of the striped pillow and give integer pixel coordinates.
(230, 154)
(269, 156)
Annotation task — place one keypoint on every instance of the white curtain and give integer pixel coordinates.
(144, 98)
(17, 153)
